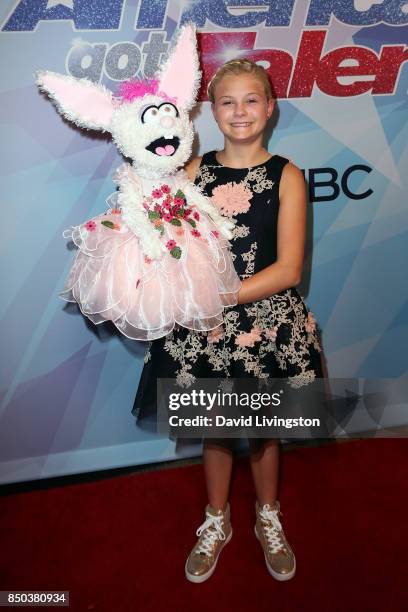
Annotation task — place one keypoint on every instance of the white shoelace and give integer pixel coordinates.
(212, 532)
(272, 532)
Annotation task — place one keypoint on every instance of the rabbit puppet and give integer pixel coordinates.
(160, 255)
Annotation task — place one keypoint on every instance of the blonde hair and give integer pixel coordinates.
(239, 66)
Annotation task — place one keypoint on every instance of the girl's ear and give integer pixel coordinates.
(271, 106)
(180, 76)
(78, 100)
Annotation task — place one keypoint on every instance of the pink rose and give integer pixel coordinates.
(90, 226)
(232, 198)
(195, 233)
(156, 193)
(249, 338)
(171, 244)
(178, 202)
(167, 217)
(165, 189)
(215, 335)
(310, 324)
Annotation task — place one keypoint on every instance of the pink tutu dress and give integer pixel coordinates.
(189, 284)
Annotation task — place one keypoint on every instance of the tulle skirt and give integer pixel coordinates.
(111, 279)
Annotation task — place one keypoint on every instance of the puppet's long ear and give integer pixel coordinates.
(180, 76)
(79, 100)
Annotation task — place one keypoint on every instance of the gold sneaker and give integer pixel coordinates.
(279, 557)
(213, 534)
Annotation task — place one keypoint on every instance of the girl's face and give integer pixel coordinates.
(241, 108)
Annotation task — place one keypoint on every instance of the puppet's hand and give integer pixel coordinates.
(203, 203)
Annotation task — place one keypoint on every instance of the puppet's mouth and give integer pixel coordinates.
(164, 146)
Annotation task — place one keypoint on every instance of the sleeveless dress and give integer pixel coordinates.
(271, 338)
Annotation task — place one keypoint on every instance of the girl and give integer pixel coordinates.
(270, 333)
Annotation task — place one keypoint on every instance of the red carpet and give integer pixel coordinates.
(119, 545)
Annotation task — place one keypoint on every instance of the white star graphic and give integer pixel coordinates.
(68, 3)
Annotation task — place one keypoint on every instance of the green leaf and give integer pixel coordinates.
(180, 194)
(152, 214)
(175, 222)
(181, 212)
(191, 222)
(108, 224)
(176, 252)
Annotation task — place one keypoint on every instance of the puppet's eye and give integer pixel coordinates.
(168, 110)
(150, 114)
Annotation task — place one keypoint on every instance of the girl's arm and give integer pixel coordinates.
(286, 272)
(192, 168)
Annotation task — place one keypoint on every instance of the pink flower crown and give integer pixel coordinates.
(137, 88)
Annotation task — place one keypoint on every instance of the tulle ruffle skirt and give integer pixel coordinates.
(112, 280)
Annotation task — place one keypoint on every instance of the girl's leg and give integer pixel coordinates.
(216, 531)
(217, 468)
(265, 468)
(279, 557)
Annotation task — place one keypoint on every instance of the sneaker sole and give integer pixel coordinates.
(276, 575)
(204, 577)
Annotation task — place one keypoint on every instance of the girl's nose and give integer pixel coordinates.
(240, 109)
(167, 122)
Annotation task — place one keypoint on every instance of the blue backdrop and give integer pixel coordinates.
(340, 73)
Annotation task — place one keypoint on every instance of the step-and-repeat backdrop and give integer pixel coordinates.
(339, 69)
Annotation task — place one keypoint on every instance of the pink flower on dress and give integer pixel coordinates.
(215, 234)
(195, 233)
(232, 198)
(171, 244)
(147, 259)
(167, 217)
(167, 203)
(165, 189)
(180, 232)
(115, 211)
(215, 335)
(249, 338)
(90, 226)
(178, 202)
(196, 216)
(156, 193)
(310, 324)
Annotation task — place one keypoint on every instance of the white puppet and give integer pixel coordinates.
(159, 256)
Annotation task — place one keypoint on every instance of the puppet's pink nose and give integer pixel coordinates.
(167, 122)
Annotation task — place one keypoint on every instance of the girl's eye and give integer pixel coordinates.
(252, 100)
(150, 114)
(168, 110)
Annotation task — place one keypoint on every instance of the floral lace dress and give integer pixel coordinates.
(271, 338)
